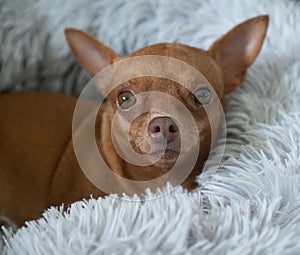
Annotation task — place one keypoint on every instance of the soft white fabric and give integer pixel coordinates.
(251, 205)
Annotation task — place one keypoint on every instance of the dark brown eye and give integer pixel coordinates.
(126, 99)
(201, 96)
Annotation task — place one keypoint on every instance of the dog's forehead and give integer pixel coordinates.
(197, 58)
(149, 83)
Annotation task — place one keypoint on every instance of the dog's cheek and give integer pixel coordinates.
(205, 138)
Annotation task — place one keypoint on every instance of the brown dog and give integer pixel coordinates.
(38, 166)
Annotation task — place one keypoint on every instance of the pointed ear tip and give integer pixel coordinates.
(259, 22)
(261, 19)
(264, 19)
(265, 23)
(69, 30)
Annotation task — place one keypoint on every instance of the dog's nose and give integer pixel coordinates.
(163, 126)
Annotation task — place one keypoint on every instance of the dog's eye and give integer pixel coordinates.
(201, 96)
(126, 99)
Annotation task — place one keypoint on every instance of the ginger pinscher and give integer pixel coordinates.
(38, 165)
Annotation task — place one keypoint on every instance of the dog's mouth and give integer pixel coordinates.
(165, 156)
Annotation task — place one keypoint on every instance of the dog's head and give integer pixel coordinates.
(154, 133)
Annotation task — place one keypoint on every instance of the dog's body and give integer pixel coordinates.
(32, 162)
(38, 165)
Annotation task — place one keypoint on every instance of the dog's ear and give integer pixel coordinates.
(236, 50)
(91, 54)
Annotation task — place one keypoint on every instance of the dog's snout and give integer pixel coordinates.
(163, 126)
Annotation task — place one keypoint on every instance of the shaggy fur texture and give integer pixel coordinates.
(250, 206)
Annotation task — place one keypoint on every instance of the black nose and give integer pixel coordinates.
(163, 126)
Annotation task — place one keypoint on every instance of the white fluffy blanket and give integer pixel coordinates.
(250, 206)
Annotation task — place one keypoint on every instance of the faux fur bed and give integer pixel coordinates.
(250, 206)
